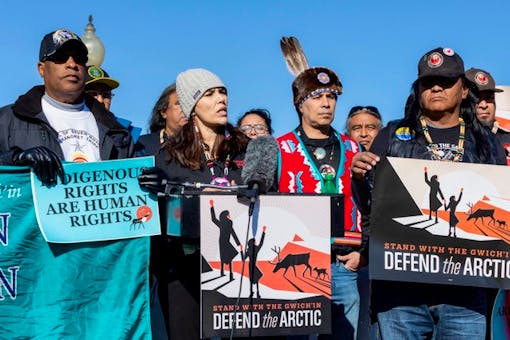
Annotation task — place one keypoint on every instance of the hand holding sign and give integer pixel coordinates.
(44, 162)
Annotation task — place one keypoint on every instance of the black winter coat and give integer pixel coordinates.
(23, 125)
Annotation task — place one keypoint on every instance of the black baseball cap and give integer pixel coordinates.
(56, 40)
(482, 79)
(441, 62)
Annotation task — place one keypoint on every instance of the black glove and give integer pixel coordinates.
(44, 162)
(154, 179)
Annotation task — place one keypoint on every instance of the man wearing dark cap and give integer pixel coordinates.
(315, 158)
(99, 85)
(439, 124)
(486, 107)
(56, 121)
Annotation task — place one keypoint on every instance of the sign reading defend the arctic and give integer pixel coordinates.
(441, 222)
(281, 273)
(99, 201)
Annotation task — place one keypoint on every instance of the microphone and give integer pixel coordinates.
(259, 167)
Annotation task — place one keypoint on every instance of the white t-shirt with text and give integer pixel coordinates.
(77, 130)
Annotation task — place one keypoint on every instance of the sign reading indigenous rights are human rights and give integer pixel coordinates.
(441, 222)
(98, 201)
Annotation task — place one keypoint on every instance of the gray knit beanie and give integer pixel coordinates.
(191, 86)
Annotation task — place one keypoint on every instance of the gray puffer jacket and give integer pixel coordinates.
(23, 125)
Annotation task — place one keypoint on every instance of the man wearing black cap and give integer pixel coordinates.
(486, 107)
(439, 124)
(315, 158)
(56, 121)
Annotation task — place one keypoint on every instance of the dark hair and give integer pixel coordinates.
(186, 149)
(467, 111)
(157, 122)
(262, 113)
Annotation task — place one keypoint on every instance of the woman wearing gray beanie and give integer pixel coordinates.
(207, 150)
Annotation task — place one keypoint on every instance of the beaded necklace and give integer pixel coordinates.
(325, 164)
(216, 180)
(433, 147)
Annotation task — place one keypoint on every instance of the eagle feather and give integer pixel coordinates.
(293, 54)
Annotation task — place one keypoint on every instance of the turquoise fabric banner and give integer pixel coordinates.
(91, 290)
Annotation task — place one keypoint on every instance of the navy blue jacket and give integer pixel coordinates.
(23, 125)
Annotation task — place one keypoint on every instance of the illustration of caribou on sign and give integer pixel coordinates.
(291, 260)
(480, 214)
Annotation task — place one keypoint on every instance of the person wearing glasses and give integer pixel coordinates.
(486, 107)
(58, 121)
(439, 124)
(99, 85)
(363, 124)
(254, 123)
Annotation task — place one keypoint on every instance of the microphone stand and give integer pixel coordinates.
(176, 189)
(249, 196)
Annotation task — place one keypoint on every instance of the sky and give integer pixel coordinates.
(373, 46)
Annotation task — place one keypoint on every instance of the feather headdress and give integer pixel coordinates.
(294, 56)
(309, 81)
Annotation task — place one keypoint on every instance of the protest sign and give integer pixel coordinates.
(99, 201)
(441, 222)
(280, 268)
(96, 290)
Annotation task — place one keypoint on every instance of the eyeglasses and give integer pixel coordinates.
(368, 109)
(104, 94)
(259, 128)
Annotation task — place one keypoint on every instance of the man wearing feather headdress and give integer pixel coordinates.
(315, 158)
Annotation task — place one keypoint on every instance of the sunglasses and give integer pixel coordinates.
(60, 58)
(259, 128)
(444, 82)
(368, 109)
(104, 94)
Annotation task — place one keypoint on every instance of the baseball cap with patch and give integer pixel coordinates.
(482, 79)
(441, 62)
(56, 40)
(96, 75)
